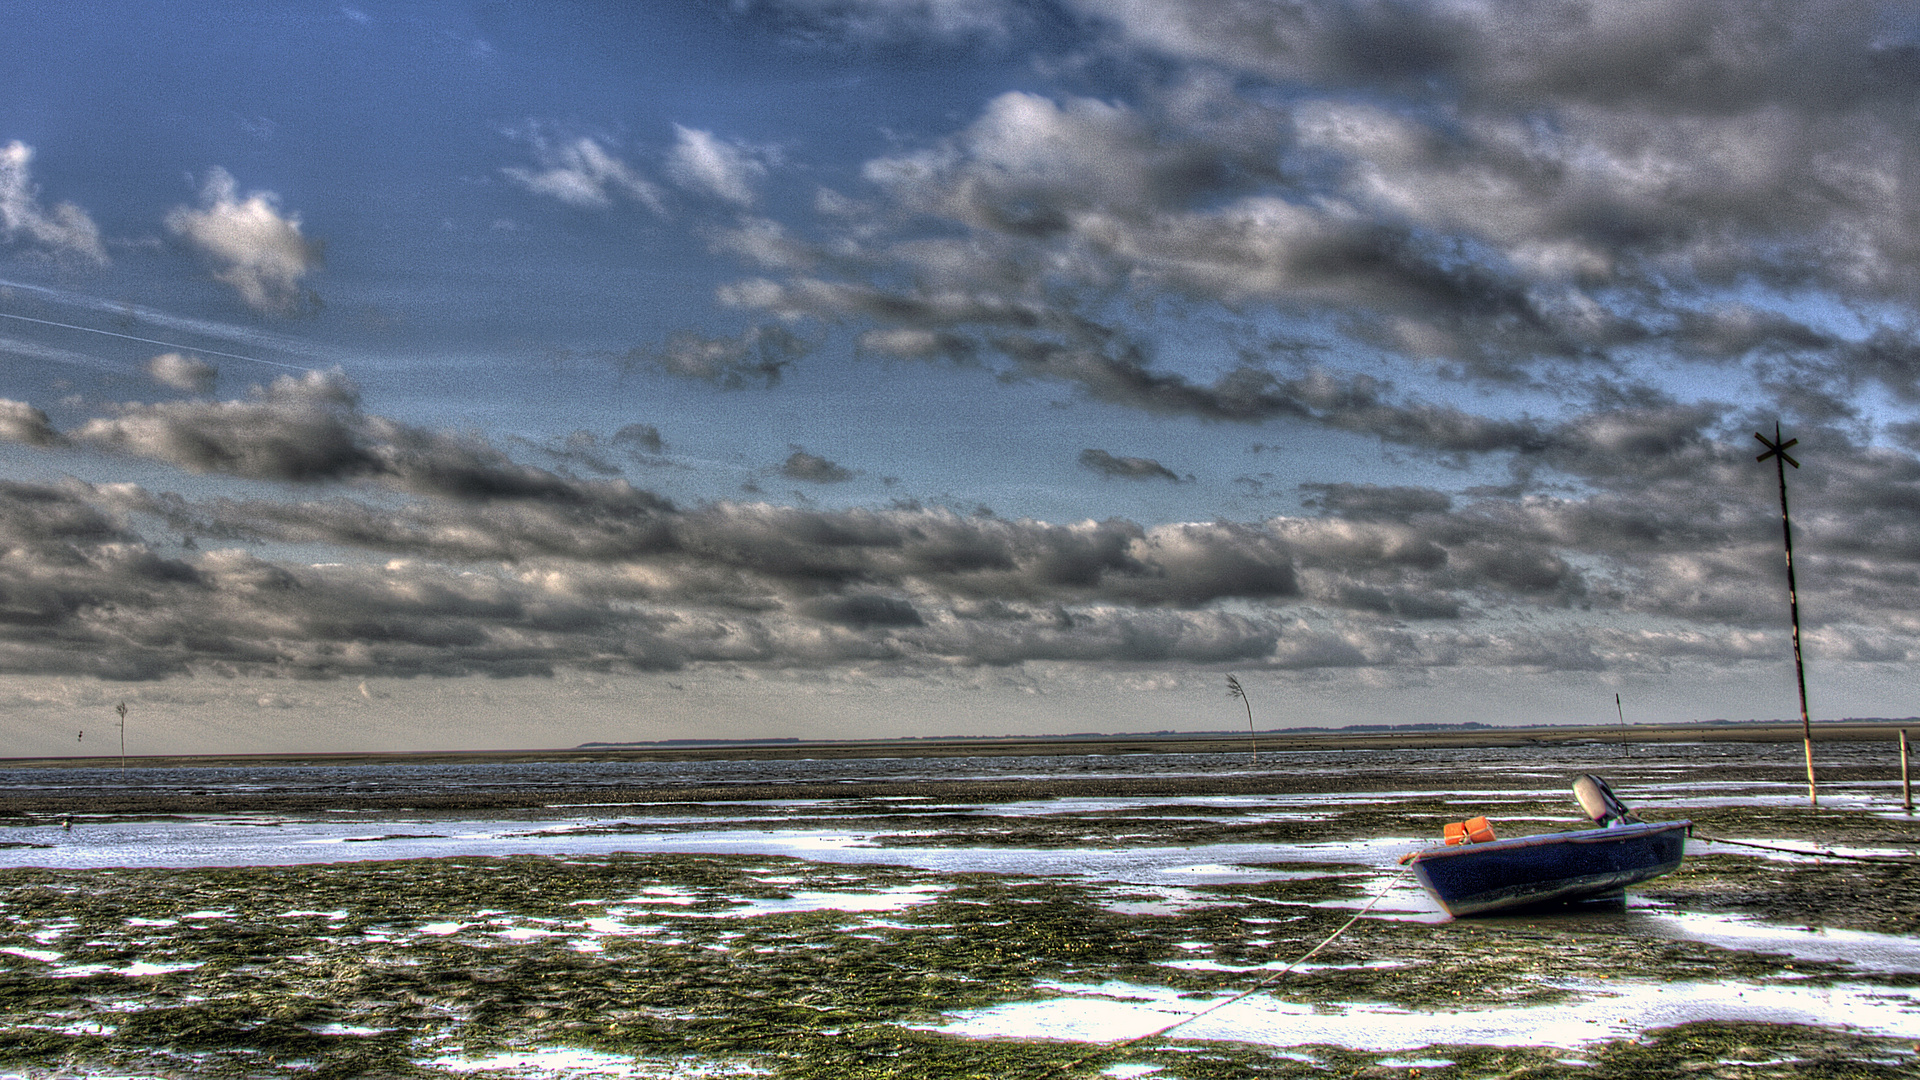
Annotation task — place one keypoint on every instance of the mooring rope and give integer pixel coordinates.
(1818, 854)
(1271, 979)
(1243, 995)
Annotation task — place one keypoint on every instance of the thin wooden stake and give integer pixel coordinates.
(1906, 784)
(1626, 748)
(122, 710)
(1777, 450)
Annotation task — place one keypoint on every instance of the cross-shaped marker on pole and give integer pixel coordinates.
(1775, 446)
(1777, 450)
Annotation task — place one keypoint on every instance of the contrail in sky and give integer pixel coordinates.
(152, 341)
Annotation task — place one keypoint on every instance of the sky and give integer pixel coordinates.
(454, 375)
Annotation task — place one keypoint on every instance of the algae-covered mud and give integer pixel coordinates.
(929, 935)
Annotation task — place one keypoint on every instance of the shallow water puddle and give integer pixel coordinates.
(1866, 951)
(569, 1064)
(1116, 1011)
(132, 971)
(1277, 965)
(895, 898)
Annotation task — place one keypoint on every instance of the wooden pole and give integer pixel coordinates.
(1777, 450)
(1906, 784)
(122, 710)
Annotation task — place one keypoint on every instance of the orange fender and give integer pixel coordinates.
(1470, 831)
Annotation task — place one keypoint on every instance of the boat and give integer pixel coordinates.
(1474, 874)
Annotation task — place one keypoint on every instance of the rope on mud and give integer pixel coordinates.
(1818, 854)
(1243, 995)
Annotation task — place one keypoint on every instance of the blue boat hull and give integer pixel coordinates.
(1477, 879)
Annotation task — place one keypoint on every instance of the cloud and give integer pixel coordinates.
(862, 611)
(580, 449)
(309, 430)
(1576, 252)
(757, 353)
(489, 566)
(298, 430)
(182, 372)
(1525, 199)
(580, 172)
(261, 252)
(1371, 502)
(65, 230)
(841, 22)
(814, 469)
(643, 437)
(1130, 468)
(22, 423)
(702, 163)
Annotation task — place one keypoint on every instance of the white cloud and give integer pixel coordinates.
(891, 20)
(64, 230)
(22, 423)
(702, 163)
(261, 252)
(182, 372)
(582, 173)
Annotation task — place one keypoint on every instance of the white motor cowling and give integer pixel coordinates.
(1600, 803)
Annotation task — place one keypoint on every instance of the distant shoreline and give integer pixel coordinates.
(40, 792)
(1210, 742)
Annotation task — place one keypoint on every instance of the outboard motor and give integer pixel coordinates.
(1601, 804)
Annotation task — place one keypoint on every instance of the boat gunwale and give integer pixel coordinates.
(1611, 834)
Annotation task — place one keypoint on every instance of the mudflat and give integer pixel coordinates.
(1037, 909)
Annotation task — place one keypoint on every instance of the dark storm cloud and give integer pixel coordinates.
(1128, 468)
